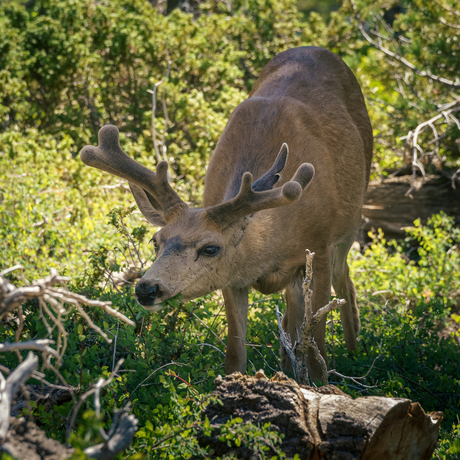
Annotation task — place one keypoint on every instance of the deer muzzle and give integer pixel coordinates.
(147, 293)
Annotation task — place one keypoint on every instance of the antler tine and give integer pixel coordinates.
(248, 201)
(110, 157)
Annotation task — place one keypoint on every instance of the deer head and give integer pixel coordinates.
(198, 250)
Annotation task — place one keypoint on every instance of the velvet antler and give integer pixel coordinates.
(249, 201)
(110, 157)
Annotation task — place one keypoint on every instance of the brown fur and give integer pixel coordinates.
(308, 98)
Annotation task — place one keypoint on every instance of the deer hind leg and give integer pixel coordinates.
(345, 289)
(236, 308)
(293, 318)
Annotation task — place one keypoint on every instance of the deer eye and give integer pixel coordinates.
(209, 251)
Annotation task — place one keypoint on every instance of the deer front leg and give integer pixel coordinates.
(236, 308)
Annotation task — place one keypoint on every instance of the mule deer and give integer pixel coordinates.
(254, 233)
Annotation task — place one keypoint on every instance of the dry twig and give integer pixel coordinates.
(447, 110)
(120, 436)
(52, 308)
(412, 138)
(422, 73)
(305, 343)
(8, 388)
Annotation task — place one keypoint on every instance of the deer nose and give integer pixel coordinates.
(146, 292)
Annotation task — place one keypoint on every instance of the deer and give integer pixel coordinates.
(288, 173)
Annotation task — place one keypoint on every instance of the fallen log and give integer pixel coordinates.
(386, 205)
(320, 423)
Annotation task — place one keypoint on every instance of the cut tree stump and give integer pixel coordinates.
(321, 423)
(387, 207)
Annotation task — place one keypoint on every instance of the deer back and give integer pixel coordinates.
(308, 98)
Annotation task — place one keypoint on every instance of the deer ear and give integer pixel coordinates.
(148, 206)
(272, 176)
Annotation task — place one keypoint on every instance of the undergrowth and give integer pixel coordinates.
(409, 300)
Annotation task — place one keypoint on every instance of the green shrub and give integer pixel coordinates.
(68, 67)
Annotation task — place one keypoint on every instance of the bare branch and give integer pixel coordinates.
(212, 346)
(454, 26)
(210, 330)
(5, 370)
(91, 324)
(454, 178)
(11, 269)
(39, 345)
(9, 387)
(353, 379)
(412, 138)
(52, 310)
(68, 296)
(41, 377)
(121, 438)
(115, 346)
(448, 8)
(83, 398)
(421, 73)
(305, 343)
(321, 313)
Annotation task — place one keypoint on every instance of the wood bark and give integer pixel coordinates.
(387, 207)
(321, 423)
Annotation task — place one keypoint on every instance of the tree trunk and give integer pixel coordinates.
(321, 423)
(387, 207)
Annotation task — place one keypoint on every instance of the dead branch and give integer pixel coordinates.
(412, 138)
(120, 437)
(448, 24)
(95, 390)
(305, 342)
(52, 310)
(9, 387)
(11, 297)
(285, 341)
(51, 306)
(448, 8)
(422, 73)
(454, 178)
(39, 345)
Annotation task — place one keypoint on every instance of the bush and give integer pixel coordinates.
(68, 67)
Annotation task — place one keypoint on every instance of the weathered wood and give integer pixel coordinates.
(304, 351)
(25, 441)
(322, 423)
(387, 207)
(8, 388)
